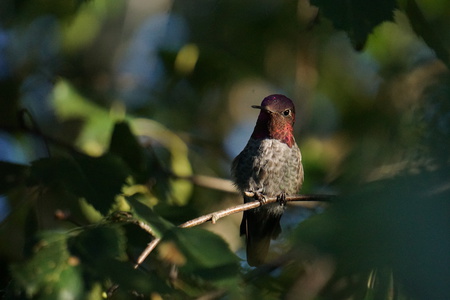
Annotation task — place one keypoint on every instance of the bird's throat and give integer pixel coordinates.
(284, 135)
(269, 128)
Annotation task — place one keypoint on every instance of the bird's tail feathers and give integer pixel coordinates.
(259, 229)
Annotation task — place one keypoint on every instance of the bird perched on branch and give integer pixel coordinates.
(269, 166)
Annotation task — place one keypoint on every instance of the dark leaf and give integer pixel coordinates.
(9, 94)
(130, 279)
(102, 251)
(30, 10)
(11, 175)
(422, 28)
(98, 179)
(59, 171)
(106, 175)
(145, 164)
(125, 145)
(99, 243)
(145, 214)
(357, 17)
(400, 223)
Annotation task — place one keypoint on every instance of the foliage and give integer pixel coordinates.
(357, 18)
(110, 109)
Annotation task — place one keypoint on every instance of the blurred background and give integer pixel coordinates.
(371, 89)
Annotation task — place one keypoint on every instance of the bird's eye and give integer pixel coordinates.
(287, 112)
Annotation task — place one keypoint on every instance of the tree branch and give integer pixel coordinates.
(210, 182)
(213, 217)
(199, 180)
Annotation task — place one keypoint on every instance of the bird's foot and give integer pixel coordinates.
(281, 198)
(260, 197)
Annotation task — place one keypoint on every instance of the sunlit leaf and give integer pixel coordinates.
(97, 123)
(86, 25)
(70, 284)
(180, 190)
(206, 254)
(49, 272)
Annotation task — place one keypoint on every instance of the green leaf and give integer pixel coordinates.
(143, 213)
(130, 279)
(99, 243)
(146, 165)
(48, 272)
(177, 162)
(97, 179)
(106, 176)
(125, 145)
(206, 254)
(70, 284)
(97, 123)
(9, 89)
(424, 29)
(102, 251)
(69, 104)
(357, 17)
(59, 171)
(399, 223)
(11, 175)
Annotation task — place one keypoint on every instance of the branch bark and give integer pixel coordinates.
(215, 216)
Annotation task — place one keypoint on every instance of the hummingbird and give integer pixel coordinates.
(269, 166)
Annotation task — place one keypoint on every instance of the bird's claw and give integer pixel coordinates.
(281, 198)
(260, 197)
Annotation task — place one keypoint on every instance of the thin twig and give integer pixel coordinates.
(205, 181)
(215, 183)
(213, 217)
(147, 252)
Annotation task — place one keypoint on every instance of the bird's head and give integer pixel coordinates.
(276, 119)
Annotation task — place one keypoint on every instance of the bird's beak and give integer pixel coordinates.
(260, 107)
